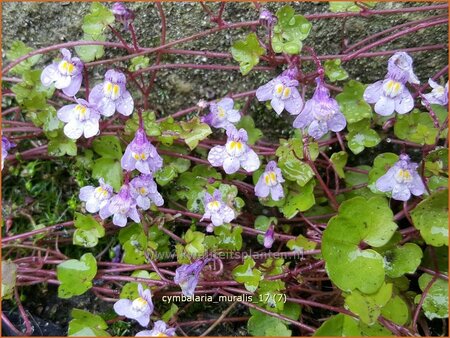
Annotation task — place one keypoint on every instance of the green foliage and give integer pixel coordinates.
(134, 244)
(130, 290)
(431, 218)
(345, 326)
(9, 274)
(262, 223)
(359, 221)
(87, 324)
(139, 62)
(396, 310)
(352, 102)
(435, 304)
(263, 325)
(18, 49)
(247, 275)
(381, 164)
(94, 25)
(61, 145)
(108, 165)
(152, 128)
(169, 314)
(290, 31)
(401, 259)
(416, 127)
(108, 147)
(247, 52)
(254, 134)
(229, 238)
(88, 231)
(30, 93)
(194, 131)
(299, 199)
(360, 136)
(300, 244)
(334, 70)
(194, 243)
(76, 276)
(339, 160)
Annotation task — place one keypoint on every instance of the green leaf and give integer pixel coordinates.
(290, 31)
(194, 243)
(86, 324)
(247, 52)
(18, 49)
(88, 231)
(130, 290)
(30, 93)
(169, 314)
(194, 131)
(368, 307)
(344, 6)
(152, 128)
(402, 259)
(61, 145)
(261, 325)
(334, 70)
(435, 304)
(134, 244)
(88, 53)
(299, 199)
(138, 62)
(352, 102)
(416, 127)
(359, 221)
(345, 326)
(361, 136)
(301, 244)
(247, 275)
(96, 21)
(262, 223)
(339, 160)
(110, 170)
(76, 276)
(396, 310)
(254, 134)
(381, 164)
(230, 238)
(108, 147)
(431, 217)
(9, 274)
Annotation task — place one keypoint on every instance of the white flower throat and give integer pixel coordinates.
(66, 67)
(235, 148)
(139, 305)
(282, 91)
(111, 90)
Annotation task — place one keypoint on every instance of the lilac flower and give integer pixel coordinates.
(96, 198)
(141, 155)
(391, 94)
(117, 252)
(159, 330)
(216, 210)
(122, 206)
(6, 146)
(187, 276)
(112, 95)
(81, 118)
(402, 180)
(439, 94)
(283, 93)
(270, 182)
(236, 153)
(269, 236)
(321, 113)
(144, 190)
(222, 114)
(66, 74)
(123, 14)
(139, 309)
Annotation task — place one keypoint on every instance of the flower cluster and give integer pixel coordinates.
(222, 114)
(6, 146)
(321, 113)
(235, 154)
(186, 276)
(402, 180)
(216, 210)
(391, 94)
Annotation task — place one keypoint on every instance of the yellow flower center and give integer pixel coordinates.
(66, 67)
(235, 148)
(139, 156)
(214, 205)
(221, 112)
(270, 178)
(160, 334)
(403, 176)
(111, 90)
(282, 91)
(81, 111)
(100, 193)
(143, 191)
(392, 88)
(139, 304)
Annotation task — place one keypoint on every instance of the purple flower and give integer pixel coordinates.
(122, 206)
(81, 118)
(216, 210)
(96, 198)
(269, 237)
(222, 114)
(402, 180)
(159, 330)
(439, 94)
(235, 154)
(391, 94)
(139, 309)
(66, 74)
(187, 276)
(321, 113)
(141, 155)
(123, 14)
(144, 191)
(270, 182)
(266, 18)
(117, 251)
(283, 93)
(6, 146)
(112, 95)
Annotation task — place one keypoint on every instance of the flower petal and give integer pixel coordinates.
(231, 165)
(373, 92)
(73, 129)
(125, 104)
(217, 155)
(264, 93)
(262, 189)
(401, 192)
(91, 128)
(385, 106)
(251, 161)
(66, 112)
(277, 192)
(74, 85)
(404, 103)
(120, 220)
(277, 105)
(49, 75)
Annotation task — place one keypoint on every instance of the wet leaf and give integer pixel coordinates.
(76, 276)
(352, 102)
(435, 304)
(247, 52)
(334, 70)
